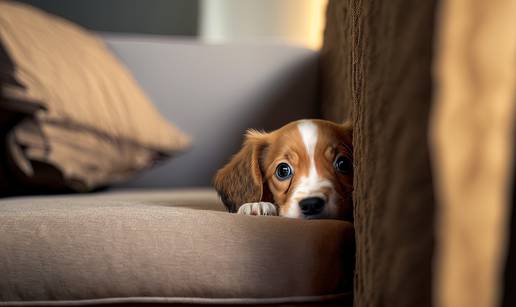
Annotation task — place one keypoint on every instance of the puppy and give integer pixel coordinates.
(302, 170)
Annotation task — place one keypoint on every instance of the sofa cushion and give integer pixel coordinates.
(165, 246)
(96, 126)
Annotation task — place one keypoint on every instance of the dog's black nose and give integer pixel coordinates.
(312, 205)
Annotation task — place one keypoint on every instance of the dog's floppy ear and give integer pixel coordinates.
(347, 127)
(241, 181)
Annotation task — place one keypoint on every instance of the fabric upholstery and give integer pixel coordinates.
(97, 126)
(165, 246)
(377, 60)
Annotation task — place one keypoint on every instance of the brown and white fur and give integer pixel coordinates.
(316, 188)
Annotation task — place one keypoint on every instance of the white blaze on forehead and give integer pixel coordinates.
(308, 132)
(312, 184)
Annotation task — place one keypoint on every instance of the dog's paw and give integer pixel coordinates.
(259, 208)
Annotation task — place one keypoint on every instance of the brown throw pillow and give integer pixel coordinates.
(95, 125)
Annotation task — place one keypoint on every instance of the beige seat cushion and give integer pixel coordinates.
(96, 125)
(165, 247)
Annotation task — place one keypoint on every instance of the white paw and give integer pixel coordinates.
(259, 208)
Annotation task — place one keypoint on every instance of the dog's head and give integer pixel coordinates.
(305, 168)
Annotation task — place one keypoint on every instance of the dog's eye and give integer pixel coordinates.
(283, 171)
(343, 165)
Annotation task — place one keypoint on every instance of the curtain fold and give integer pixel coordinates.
(429, 86)
(376, 69)
(472, 143)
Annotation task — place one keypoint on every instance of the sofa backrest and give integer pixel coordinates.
(214, 93)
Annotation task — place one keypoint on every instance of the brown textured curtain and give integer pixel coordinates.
(377, 59)
(429, 86)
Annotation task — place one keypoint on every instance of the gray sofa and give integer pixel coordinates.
(164, 237)
(215, 93)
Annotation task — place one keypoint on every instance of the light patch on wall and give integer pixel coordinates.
(317, 22)
(299, 22)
